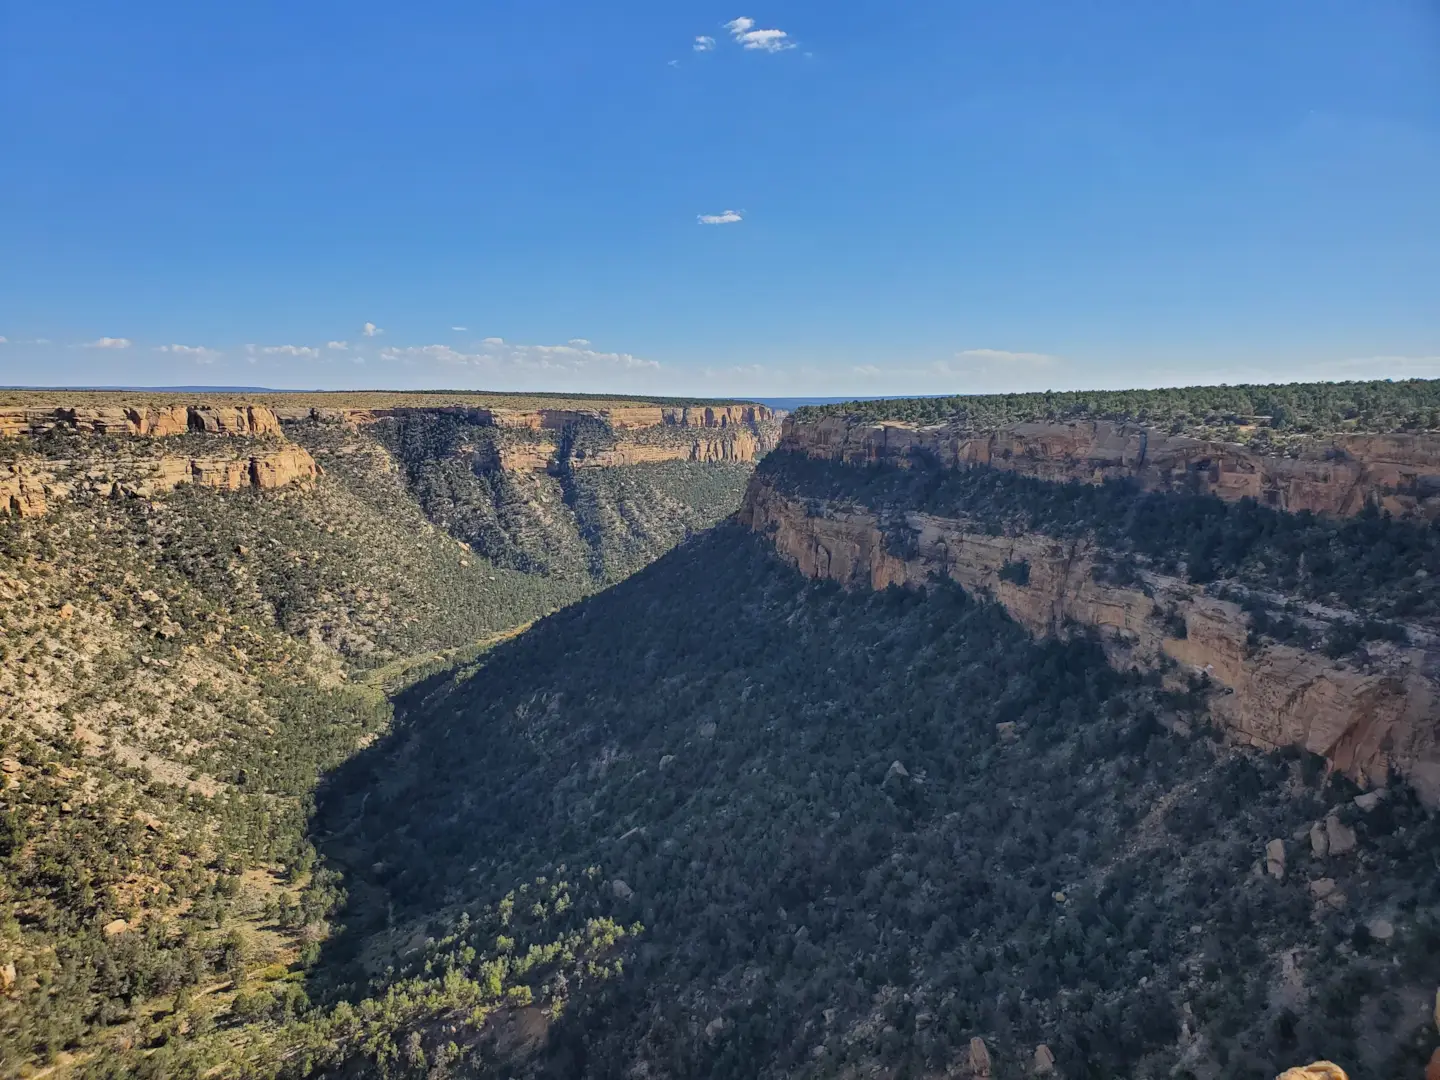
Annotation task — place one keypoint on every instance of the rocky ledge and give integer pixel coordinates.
(1365, 722)
(1338, 475)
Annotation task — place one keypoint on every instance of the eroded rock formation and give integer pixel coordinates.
(1365, 722)
(1338, 475)
(150, 422)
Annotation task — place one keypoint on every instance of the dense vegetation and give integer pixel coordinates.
(1372, 564)
(1380, 405)
(177, 672)
(862, 828)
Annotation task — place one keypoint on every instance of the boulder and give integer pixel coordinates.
(1340, 835)
(115, 926)
(1320, 1070)
(1371, 799)
(7, 976)
(1319, 842)
(979, 1057)
(1044, 1064)
(1275, 859)
(1007, 731)
(896, 771)
(621, 890)
(1380, 929)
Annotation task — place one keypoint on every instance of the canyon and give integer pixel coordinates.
(1368, 719)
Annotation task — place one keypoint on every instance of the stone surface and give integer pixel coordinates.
(1319, 840)
(1044, 1062)
(1340, 836)
(1275, 859)
(1320, 1070)
(1370, 800)
(979, 1058)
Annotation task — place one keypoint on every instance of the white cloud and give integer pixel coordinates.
(729, 217)
(704, 43)
(108, 343)
(199, 353)
(744, 32)
(338, 346)
(4, 340)
(573, 341)
(371, 330)
(460, 329)
(496, 356)
(306, 351)
(868, 370)
(1005, 356)
(673, 63)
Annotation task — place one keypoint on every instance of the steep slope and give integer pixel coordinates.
(202, 606)
(860, 830)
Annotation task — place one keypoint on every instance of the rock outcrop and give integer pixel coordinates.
(149, 422)
(22, 492)
(1365, 722)
(30, 491)
(1338, 475)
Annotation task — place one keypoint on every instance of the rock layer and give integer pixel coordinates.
(27, 492)
(1365, 722)
(1339, 475)
(150, 422)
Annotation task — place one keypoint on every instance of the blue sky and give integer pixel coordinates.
(931, 197)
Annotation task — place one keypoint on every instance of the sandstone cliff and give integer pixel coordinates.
(149, 421)
(30, 489)
(1339, 475)
(620, 418)
(1364, 722)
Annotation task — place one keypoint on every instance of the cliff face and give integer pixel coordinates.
(151, 422)
(30, 489)
(620, 418)
(1339, 475)
(1364, 722)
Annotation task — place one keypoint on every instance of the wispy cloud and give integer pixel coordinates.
(109, 343)
(338, 346)
(1005, 356)
(704, 43)
(579, 341)
(744, 33)
(307, 352)
(460, 329)
(4, 340)
(371, 330)
(199, 353)
(729, 217)
(497, 356)
(868, 370)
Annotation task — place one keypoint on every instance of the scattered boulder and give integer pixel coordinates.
(1044, 1061)
(707, 729)
(621, 890)
(9, 765)
(1319, 842)
(979, 1058)
(1380, 929)
(1275, 859)
(715, 1027)
(667, 760)
(115, 926)
(1007, 731)
(7, 976)
(896, 771)
(1340, 835)
(1327, 893)
(67, 611)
